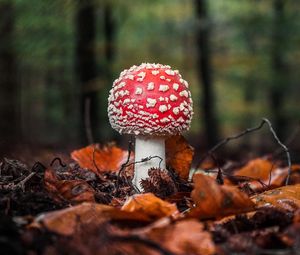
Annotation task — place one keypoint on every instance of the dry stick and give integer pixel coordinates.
(125, 164)
(288, 157)
(288, 141)
(95, 165)
(250, 130)
(143, 160)
(59, 161)
(20, 184)
(38, 166)
(87, 121)
(241, 177)
(219, 178)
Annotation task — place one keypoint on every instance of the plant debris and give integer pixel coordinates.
(89, 206)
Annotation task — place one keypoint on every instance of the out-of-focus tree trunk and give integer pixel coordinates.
(205, 72)
(86, 69)
(278, 88)
(9, 128)
(109, 26)
(110, 32)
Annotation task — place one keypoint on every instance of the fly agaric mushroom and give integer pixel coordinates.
(152, 102)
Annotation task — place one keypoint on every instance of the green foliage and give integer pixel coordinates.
(156, 31)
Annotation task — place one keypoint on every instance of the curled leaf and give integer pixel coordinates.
(213, 200)
(74, 191)
(66, 221)
(106, 158)
(184, 237)
(179, 155)
(149, 205)
(286, 198)
(266, 172)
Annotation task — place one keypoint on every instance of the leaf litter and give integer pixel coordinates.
(89, 206)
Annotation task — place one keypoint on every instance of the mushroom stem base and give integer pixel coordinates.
(149, 152)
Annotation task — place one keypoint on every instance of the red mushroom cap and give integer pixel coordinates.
(150, 99)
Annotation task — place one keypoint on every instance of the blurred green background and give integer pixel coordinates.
(58, 60)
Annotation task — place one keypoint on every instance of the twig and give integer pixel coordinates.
(130, 143)
(219, 178)
(21, 184)
(288, 157)
(250, 130)
(288, 141)
(59, 161)
(127, 164)
(228, 139)
(241, 178)
(95, 165)
(38, 166)
(143, 160)
(87, 121)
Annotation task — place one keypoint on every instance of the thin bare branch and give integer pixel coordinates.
(59, 161)
(250, 130)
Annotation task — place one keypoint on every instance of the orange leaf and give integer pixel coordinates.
(213, 200)
(184, 237)
(261, 169)
(149, 205)
(287, 198)
(75, 191)
(66, 221)
(179, 155)
(257, 168)
(107, 158)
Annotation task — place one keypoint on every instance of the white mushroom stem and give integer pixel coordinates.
(149, 152)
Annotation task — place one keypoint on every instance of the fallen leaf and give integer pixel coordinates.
(256, 168)
(75, 191)
(213, 200)
(106, 158)
(265, 171)
(66, 221)
(184, 237)
(179, 155)
(149, 205)
(287, 198)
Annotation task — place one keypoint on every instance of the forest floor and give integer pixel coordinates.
(85, 203)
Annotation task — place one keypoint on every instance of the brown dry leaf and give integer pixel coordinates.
(287, 198)
(184, 237)
(66, 221)
(258, 168)
(179, 155)
(261, 169)
(74, 191)
(149, 205)
(107, 158)
(213, 200)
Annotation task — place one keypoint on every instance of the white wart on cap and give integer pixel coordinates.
(150, 99)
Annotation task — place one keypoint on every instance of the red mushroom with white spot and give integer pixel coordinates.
(151, 102)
